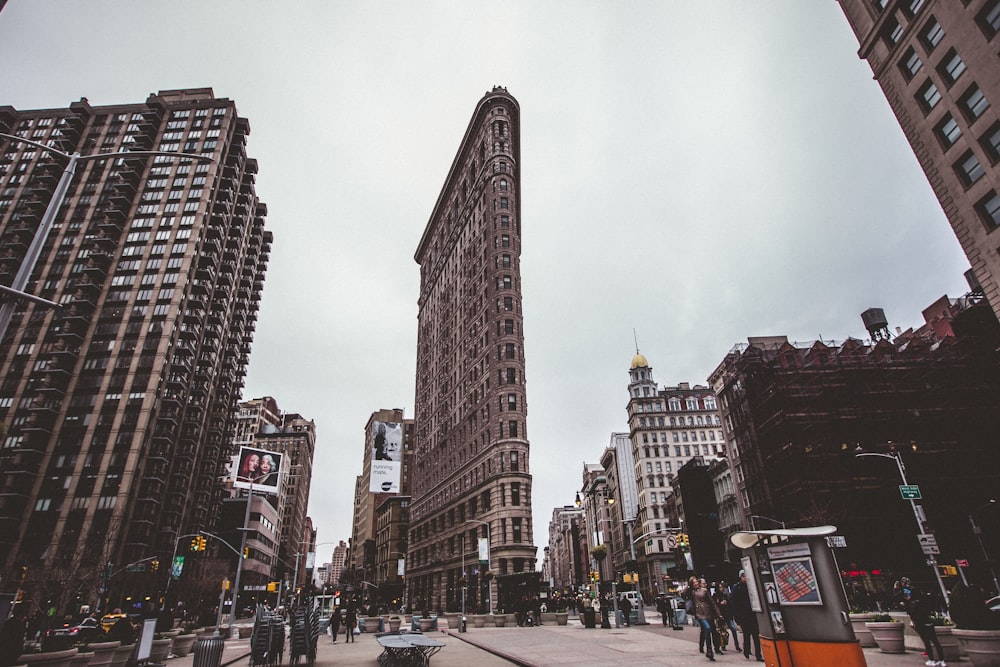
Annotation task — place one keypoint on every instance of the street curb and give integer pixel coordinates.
(236, 659)
(489, 649)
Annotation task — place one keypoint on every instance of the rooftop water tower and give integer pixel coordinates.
(876, 324)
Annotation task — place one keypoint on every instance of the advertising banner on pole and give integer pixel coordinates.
(386, 457)
(258, 470)
(484, 551)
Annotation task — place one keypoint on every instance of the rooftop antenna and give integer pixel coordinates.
(636, 338)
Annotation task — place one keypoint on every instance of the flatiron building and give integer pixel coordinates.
(471, 476)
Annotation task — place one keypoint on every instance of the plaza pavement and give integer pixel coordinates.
(572, 645)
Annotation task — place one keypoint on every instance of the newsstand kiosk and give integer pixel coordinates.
(798, 597)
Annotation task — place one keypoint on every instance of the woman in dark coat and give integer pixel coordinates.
(335, 623)
(739, 605)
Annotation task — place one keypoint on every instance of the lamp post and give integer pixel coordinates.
(918, 513)
(24, 272)
(978, 532)
(489, 563)
(766, 518)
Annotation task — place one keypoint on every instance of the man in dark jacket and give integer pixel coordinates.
(739, 606)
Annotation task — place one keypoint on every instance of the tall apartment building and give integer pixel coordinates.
(668, 427)
(119, 404)
(361, 556)
(337, 562)
(251, 418)
(471, 470)
(936, 63)
(569, 561)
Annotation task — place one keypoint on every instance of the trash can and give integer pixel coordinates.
(589, 619)
(462, 624)
(208, 651)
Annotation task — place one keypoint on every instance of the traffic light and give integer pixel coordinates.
(272, 587)
(154, 565)
(948, 570)
(201, 543)
(246, 552)
(682, 540)
(194, 545)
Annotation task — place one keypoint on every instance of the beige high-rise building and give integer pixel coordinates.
(361, 565)
(120, 404)
(471, 476)
(936, 61)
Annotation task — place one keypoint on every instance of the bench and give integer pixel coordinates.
(406, 649)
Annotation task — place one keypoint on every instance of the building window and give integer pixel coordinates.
(513, 462)
(951, 67)
(948, 131)
(988, 18)
(892, 32)
(990, 141)
(989, 210)
(910, 64)
(968, 168)
(516, 529)
(974, 103)
(932, 34)
(928, 96)
(512, 401)
(515, 494)
(914, 7)
(508, 326)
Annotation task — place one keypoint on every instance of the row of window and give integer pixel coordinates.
(706, 420)
(682, 436)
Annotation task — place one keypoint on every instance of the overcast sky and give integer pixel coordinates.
(698, 172)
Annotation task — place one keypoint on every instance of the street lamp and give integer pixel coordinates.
(978, 532)
(918, 513)
(765, 518)
(489, 563)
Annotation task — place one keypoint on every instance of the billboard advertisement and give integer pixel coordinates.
(387, 457)
(258, 470)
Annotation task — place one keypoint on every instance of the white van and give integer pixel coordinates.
(634, 597)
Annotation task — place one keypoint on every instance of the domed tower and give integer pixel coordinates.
(641, 381)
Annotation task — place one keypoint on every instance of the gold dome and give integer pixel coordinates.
(639, 361)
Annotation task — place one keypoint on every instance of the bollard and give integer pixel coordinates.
(208, 651)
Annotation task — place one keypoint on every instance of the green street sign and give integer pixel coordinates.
(909, 491)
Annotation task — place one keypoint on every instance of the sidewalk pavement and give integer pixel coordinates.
(547, 645)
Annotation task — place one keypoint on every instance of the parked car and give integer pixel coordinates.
(85, 629)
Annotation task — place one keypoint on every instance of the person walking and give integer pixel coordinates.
(722, 595)
(626, 607)
(706, 612)
(351, 621)
(663, 607)
(918, 606)
(335, 623)
(739, 604)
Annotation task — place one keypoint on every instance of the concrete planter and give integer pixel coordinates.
(245, 631)
(160, 649)
(981, 646)
(888, 635)
(81, 659)
(103, 653)
(949, 642)
(50, 659)
(479, 620)
(426, 624)
(394, 623)
(183, 644)
(500, 620)
(548, 617)
(562, 617)
(863, 634)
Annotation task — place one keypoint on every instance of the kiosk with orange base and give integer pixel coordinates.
(798, 597)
